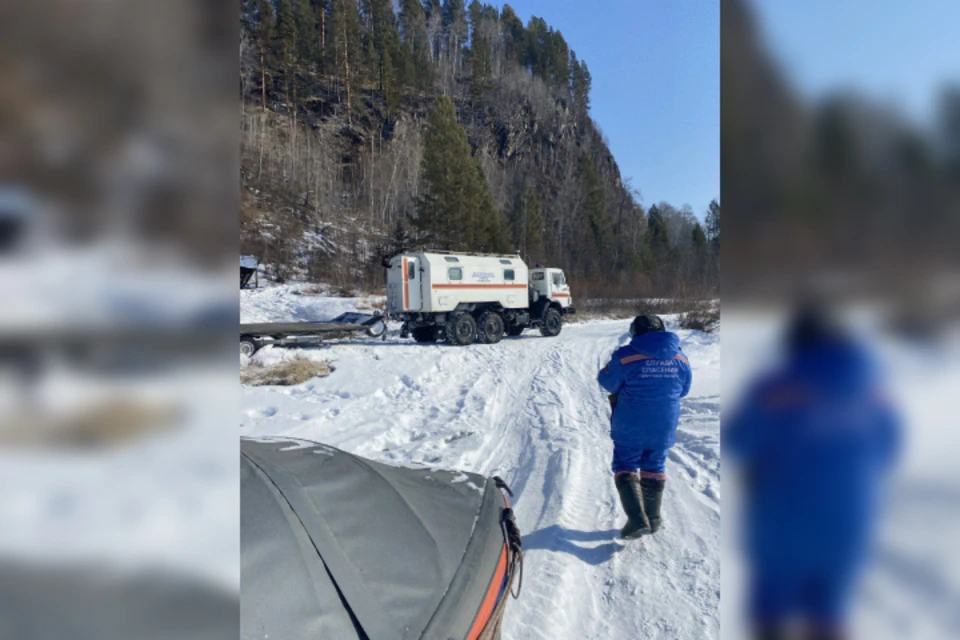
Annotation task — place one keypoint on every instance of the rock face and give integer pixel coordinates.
(330, 182)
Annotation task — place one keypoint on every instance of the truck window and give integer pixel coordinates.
(509, 275)
(538, 275)
(505, 262)
(411, 271)
(450, 259)
(455, 273)
(558, 280)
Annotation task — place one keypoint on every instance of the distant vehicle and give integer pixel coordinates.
(466, 297)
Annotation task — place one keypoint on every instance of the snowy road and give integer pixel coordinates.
(529, 410)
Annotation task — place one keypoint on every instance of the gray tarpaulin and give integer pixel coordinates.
(337, 546)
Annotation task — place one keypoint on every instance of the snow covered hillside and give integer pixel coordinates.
(529, 409)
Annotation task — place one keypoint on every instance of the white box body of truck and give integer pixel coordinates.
(434, 291)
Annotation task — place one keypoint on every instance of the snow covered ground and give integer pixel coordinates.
(527, 409)
(164, 500)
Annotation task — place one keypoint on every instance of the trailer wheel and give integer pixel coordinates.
(552, 323)
(425, 334)
(377, 329)
(248, 346)
(461, 329)
(490, 327)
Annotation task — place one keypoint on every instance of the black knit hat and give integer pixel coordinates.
(646, 324)
(812, 324)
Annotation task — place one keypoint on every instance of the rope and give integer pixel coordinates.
(511, 535)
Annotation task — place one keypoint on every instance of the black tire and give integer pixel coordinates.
(515, 330)
(424, 334)
(461, 329)
(248, 347)
(490, 327)
(552, 323)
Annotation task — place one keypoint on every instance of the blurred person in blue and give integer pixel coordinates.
(646, 380)
(815, 439)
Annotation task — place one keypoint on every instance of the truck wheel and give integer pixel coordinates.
(248, 347)
(490, 327)
(425, 334)
(515, 330)
(461, 329)
(552, 323)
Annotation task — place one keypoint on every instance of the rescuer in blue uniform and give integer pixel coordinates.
(814, 438)
(646, 380)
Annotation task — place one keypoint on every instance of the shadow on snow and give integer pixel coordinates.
(557, 538)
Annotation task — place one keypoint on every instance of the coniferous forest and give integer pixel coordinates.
(373, 126)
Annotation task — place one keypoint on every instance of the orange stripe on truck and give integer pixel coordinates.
(479, 286)
(490, 600)
(406, 286)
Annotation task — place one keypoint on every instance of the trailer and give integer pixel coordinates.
(253, 337)
(467, 297)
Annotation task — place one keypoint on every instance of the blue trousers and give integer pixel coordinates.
(630, 459)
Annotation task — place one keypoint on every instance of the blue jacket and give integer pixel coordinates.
(815, 438)
(649, 376)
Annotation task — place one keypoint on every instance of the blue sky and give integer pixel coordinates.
(894, 51)
(656, 87)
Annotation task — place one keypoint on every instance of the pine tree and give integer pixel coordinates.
(580, 81)
(399, 238)
(514, 35)
(308, 46)
(481, 66)
(537, 58)
(594, 220)
(286, 45)
(262, 22)
(699, 241)
(389, 83)
(346, 51)
(658, 238)
(559, 60)
(383, 47)
(455, 210)
(713, 226)
(413, 27)
(455, 23)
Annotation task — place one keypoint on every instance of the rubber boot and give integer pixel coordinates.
(628, 486)
(771, 632)
(652, 497)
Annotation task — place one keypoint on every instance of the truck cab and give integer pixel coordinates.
(552, 285)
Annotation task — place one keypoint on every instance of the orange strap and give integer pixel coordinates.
(490, 600)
